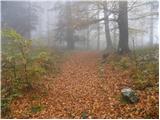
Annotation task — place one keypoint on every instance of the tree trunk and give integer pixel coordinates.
(115, 42)
(88, 33)
(151, 25)
(98, 31)
(69, 27)
(107, 31)
(123, 28)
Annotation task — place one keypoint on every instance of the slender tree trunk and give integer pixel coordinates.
(123, 46)
(114, 35)
(48, 40)
(28, 32)
(98, 31)
(142, 40)
(107, 31)
(151, 25)
(98, 37)
(88, 33)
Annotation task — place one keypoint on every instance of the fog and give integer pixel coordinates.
(44, 21)
(80, 59)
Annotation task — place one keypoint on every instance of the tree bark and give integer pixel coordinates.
(151, 25)
(69, 27)
(98, 31)
(88, 33)
(123, 46)
(107, 31)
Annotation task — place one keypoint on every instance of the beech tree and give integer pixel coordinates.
(69, 26)
(107, 29)
(123, 46)
(23, 20)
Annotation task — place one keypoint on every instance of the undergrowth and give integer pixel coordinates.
(23, 67)
(142, 64)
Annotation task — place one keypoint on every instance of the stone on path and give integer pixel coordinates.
(129, 95)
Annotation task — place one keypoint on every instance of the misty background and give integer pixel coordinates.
(41, 21)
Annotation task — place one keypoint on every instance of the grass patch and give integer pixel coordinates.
(35, 97)
(142, 65)
(36, 108)
(84, 115)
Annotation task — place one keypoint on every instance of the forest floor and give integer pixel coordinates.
(84, 89)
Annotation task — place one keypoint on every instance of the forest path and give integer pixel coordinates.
(76, 92)
(79, 91)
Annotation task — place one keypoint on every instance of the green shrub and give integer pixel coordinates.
(22, 65)
(146, 72)
(124, 62)
(22, 68)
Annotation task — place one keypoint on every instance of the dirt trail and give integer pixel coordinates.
(79, 92)
(76, 91)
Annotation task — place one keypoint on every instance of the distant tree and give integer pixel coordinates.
(64, 26)
(98, 29)
(107, 28)
(72, 17)
(153, 7)
(19, 15)
(69, 26)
